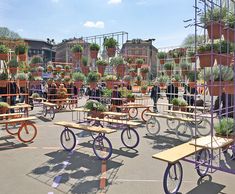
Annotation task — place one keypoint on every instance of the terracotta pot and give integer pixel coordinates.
(215, 88)
(192, 84)
(22, 83)
(130, 99)
(183, 108)
(224, 59)
(101, 69)
(93, 54)
(95, 114)
(176, 108)
(132, 74)
(92, 85)
(177, 60)
(207, 59)
(176, 83)
(143, 91)
(85, 69)
(13, 70)
(78, 84)
(168, 72)
(144, 75)
(110, 84)
(3, 83)
(229, 87)
(77, 55)
(121, 69)
(162, 61)
(3, 110)
(111, 52)
(22, 57)
(229, 34)
(3, 57)
(162, 84)
(215, 29)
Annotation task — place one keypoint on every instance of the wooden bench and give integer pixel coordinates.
(182, 112)
(11, 115)
(26, 131)
(99, 141)
(49, 104)
(160, 115)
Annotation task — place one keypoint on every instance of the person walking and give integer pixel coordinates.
(155, 95)
(171, 92)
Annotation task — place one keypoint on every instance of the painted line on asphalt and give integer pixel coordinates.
(50, 193)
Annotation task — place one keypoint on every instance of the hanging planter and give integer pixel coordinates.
(162, 56)
(215, 29)
(207, 59)
(224, 59)
(110, 81)
(85, 69)
(110, 45)
(92, 79)
(121, 69)
(177, 60)
(144, 71)
(139, 63)
(22, 57)
(3, 57)
(101, 65)
(215, 88)
(78, 84)
(21, 51)
(94, 49)
(78, 79)
(77, 51)
(229, 87)
(3, 52)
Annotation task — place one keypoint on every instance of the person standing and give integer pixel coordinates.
(171, 92)
(155, 95)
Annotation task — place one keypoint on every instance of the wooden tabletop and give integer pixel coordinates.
(182, 112)
(11, 114)
(20, 106)
(18, 120)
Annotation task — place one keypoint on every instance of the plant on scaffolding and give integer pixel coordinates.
(21, 51)
(110, 81)
(162, 56)
(101, 66)
(94, 49)
(168, 68)
(78, 79)
(162, 80)
(119, 64)
(93, 78)
(96, 108)
(224, 127)
(22, 79)
(77, 51)
(229, 32)
(12, 66)
(192, 79)
(110, 44)
(84, 66)
(3, 52)
(144, 71)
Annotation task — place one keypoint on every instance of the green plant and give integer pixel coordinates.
(3, 76)
(67, 67)
(110, 43)
(54, 73)
(179, 52)
(101, 62)
(40, 69)
(95, 105)
(162, 79)
(22, 76)
(144, 87)
(13, 63)
(111, 78)
(224, 47)
(107, 92)
(94, 47)
(193, 76)
(215, 15)
(191, 53)
(67, 79)
(139, 61)
(50, 67)
(177, 77)
(38, 78)
(77, 48)
(230, 20)
(35, 95)
(77, 76)
(185, 66)
(127, 78)
(85, 61)
(175, 101)
(227, 73)
(58, 67)
(21, 49)
(92, 77)
(3, 49)
(130, 95)
(183, 102)
(132, 70)
(224, 127)
(138, 78)
(211, 74)
(162, 55)
(168, 66)
(144, 70)
(4, 105)
(207, 47)
(115, 61)
(36, 60)
(62, 73)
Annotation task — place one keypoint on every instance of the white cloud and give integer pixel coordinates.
(114, 1)
(91, 24)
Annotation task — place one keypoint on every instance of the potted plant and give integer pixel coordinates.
(36, 61)
(84, 66)
(101, 65)
(67, 68)
(130, 97)
(168, 68)
(224, 56)
(3, 52)
(110, 79)
(162, 80)
(94, 49)
(58, 68)
(139, 62)
(54, 73)
(92, 78)
(35, 95)
(78, 79)
(62, 74)
(67, 80)
(40, 69)
(177, 53)
(4, 107)
(144, 70)
(22, 79)
(12, 65)
(162, 56)
(77, 51)
(132, 72)
(49, 82)
(185, 67)
(176, 80)
(176, 103)
(227, 75)
(110, 45)
(192, 56)
(21, 51)
(229, 28)
(192, 79)
(224, 128)
(183, 105)
(50, 68)
(213, 20)
(3, 79)
(120, 65)
(144, 89)
(127, 79)
(138, 80)
(96, 108)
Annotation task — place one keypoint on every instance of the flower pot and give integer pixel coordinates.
(168, 72)
(176, 108)
(3, 83)
(176, 83)
(162, 84)
(93, 54)
(224, 59)
(22, 57)
(229, 87)
(78, 84)
(207, 59)
(101, 69)
(3, 57)
(144, 75)
(3, 110)
(109, 84)
(132, 74)
(177, 60)
(162, 61)
(49, 69)
(22, 83)
(130, 99)
(183, 108)
(143, 91)
(192, 84)
(77, 55)
(95, 114)
(85, 69)
(229, 34)
(111, 52)
(215, 88)
(121, 69)
(13, 70)
(215, 29)
(92, 85)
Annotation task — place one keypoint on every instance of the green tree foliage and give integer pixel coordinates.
(189, 41)
(6, 33)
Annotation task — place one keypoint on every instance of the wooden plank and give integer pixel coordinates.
(198, 107)
(116, 121)
(181, 112)
(20, 106)
(85, 127)
(18, 120)
(211, 142)
(81, 110)
(170, 117)
(120, 114)
(49, 104)
(164, 104)
(176, 153)
(11, 114)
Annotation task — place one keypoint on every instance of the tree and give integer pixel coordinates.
(6, 33)
(189, 41)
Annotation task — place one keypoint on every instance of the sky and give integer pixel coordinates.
(62, 19)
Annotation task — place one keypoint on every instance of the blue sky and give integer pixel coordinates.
(61, 19)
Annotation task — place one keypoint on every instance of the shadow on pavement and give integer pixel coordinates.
(6, 145)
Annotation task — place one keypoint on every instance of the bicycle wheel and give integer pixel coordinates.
(72, 105)
(13, 128)
(184, 132)
(102, 147)
(203, 162)
(44, 111)
(153, 126)
(133, 112)
(204, 128)
(172, 123)
(173, 178)
(52, 113)
(27, 132)
(97, 124)
(68, 139)
(145, 117)
(130, 137)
